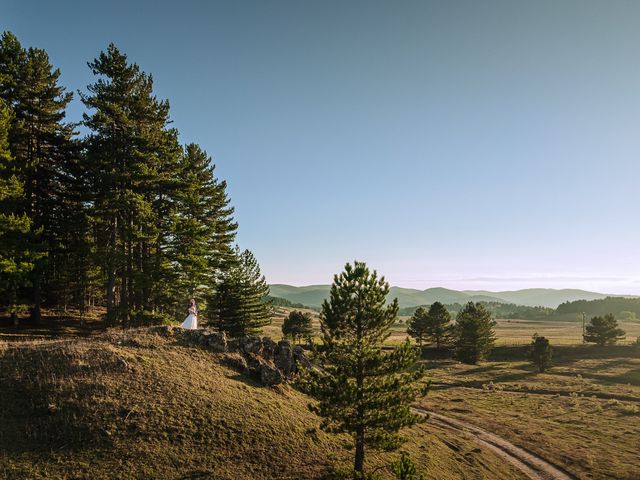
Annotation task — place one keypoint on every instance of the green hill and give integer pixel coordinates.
(313, 295)
(134, 404)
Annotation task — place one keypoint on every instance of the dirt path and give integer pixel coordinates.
(535, 467)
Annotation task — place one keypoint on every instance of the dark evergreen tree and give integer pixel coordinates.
(16, 257)
(417, 327)
(132, 159)
(239, 304)
(474, 335)
(433, 325)
(540, 352)
(603, 330)
(201, 243)
(362, 390)
(40, 143)
(297, 325)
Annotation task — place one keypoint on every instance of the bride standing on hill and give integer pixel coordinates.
(191, 322)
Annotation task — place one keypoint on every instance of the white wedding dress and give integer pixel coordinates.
(191, 322)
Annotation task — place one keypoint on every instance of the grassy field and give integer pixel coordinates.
(508, 332)
(583, 415)
(133, 405)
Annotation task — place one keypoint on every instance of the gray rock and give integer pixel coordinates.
(268, 348)
(235, 361)
(217, 341)
(251, 344)
(284, 358)
(254, 363)
(270, 375)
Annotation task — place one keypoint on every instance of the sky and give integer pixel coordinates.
(470, 145)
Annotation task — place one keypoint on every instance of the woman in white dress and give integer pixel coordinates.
(191, 322)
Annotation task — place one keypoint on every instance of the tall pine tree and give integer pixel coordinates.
(362, 390)
(474, 334)
(201, 243)
(132, 159)
(16, 258)
(40, 142)
(239, 306)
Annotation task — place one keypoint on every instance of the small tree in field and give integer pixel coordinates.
(540, 352)
(418, 325)
(297, 325)
(362, 390)
(474, 335)
(433, 325)
(603, 330)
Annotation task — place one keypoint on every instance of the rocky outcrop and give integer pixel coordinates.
(267, 361)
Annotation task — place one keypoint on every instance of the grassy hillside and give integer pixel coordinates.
(137, 405)
(313, 296)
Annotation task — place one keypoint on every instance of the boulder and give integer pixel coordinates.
(251, 344)
(254, 363)
(217, 341)
(283, 358)
(270, 375)
(235, 361)
(268, 348)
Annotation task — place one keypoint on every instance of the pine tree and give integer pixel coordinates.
(540, 352)
(433, 325)
(239, 305)
(40, 143)
(474, 335)
(133, 162)
(204, 230)
(297, 325)
(603, 330)
(362, 390)
(16, 258)
(417, 327)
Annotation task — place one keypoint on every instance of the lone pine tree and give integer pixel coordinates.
(362, 390)
(297, 325)
(603, 330)
(474, 335)
(540, 352)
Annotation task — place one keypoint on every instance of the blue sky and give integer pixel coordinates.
(478, 145)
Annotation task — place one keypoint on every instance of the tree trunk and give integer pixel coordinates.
(358, 467)
(37, 298)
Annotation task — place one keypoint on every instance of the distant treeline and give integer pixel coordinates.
(283, 302)
(499, 310)
(622, 308)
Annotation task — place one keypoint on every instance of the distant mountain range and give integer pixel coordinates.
(313, 295)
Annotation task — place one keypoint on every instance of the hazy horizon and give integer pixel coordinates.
(469, 145)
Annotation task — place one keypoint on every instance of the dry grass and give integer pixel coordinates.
(136, 405)
(583, 415)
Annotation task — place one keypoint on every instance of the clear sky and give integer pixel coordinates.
(466, 144)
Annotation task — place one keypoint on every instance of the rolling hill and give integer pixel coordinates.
(313, 295)
(134, 404)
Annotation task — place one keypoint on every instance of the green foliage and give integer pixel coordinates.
(601, 307)
(603, 330)
(434, 325)
(283, 302)
(474, 335)
(362, 390)
(238, 305)
(404, 469)
(297, 325)
(540, 352)
(16, 258)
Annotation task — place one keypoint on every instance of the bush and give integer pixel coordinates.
(145, 318)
